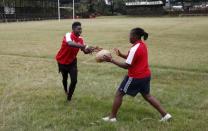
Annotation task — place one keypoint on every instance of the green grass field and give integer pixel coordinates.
(31, 94)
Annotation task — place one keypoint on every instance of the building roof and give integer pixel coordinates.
(144, 3)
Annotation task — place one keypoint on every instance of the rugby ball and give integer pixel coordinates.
(99, 56)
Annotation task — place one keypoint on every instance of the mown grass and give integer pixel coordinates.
(31, 94)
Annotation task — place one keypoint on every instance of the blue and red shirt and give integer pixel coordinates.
(68, 54)
(138, 59)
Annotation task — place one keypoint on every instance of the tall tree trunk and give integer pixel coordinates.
(182, 3)
(164, 2)
(112, 6)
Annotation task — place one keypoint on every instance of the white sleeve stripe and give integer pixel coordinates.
(68, 37)
(131, 54)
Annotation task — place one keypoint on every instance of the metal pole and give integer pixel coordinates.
(59, 15)
(73, 10)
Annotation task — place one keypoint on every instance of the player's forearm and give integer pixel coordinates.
(76, 45)
(120, 64)
(123, 55)
(86, 51)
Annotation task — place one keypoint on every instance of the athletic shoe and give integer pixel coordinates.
(106, 118)
(113, 120)
(109, 119)
(167, 117)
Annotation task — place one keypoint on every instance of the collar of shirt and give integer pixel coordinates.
(138, 41)
(74, 36)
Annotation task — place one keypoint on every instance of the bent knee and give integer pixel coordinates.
(147, 96)
(119, 94)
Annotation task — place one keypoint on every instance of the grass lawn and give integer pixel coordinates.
(31, 94)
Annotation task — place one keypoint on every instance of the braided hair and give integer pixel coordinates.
(140, 33)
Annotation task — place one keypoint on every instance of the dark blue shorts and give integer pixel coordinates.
(132, 86)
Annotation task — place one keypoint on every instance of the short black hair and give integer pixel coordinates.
(139, 32)
(75, 24)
